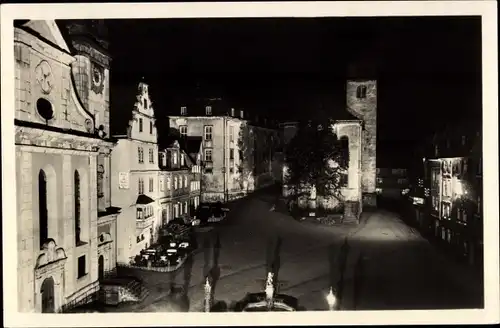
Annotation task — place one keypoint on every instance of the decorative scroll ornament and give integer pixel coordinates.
(89, 125)
(97, 78)
(44, 76)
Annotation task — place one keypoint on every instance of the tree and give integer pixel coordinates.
(316, 157)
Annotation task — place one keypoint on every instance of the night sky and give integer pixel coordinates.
(428, 69)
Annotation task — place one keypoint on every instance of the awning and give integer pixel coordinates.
(143, 200)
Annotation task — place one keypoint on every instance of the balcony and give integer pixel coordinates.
(144, 223)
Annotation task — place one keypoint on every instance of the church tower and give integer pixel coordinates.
(91, 69)
(361, 95)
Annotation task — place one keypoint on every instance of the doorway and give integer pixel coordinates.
(47, 291)
(101, 267)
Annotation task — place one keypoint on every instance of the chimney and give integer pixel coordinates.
(183, 110)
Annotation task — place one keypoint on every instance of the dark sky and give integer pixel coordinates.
(428, 69)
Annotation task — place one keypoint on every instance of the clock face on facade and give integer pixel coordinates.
(97, 78)
(44, 77)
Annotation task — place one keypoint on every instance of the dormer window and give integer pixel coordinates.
(361, 92)
(182, 159)
(183, 110)
(241, 113)
(174, 157)
(208, 110)
(232, 111)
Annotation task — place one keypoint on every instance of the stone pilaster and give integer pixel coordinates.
(107, 180)
(68, 242)
(26, 231)
(93, 218)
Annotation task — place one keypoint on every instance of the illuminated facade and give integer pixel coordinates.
(65, 221)
(135, 179)
(238, 151)
(448, 197)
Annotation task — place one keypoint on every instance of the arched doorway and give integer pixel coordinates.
(101, 267)
(47, 292)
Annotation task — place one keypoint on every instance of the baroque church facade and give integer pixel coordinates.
(65, 221)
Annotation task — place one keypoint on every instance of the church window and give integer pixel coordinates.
(361, 92)
(43, 214)
(77, 203)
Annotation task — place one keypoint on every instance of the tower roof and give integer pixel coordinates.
(361, 71)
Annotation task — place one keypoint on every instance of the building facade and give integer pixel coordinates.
(237, 151)
(176, 179)
(135, 179)
(61, 149)
(448, 203)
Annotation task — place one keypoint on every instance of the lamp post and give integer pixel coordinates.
(331, 300)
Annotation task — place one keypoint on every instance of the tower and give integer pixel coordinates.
(91, 68)
(361, 95)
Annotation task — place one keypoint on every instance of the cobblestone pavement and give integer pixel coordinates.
(400, 269)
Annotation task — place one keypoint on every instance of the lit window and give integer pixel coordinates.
(151, 156)
(140, 186)
(208, 155)
(208, 132)
(182, 159)
(231, 134)
(140, 154)
(174, 157)
(183, 130)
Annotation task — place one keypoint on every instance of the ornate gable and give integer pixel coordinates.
(144, 105)
(48, 30)
(45, 92)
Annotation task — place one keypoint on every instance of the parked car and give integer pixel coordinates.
(207, 213)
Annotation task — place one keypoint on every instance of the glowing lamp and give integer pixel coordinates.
(331, 299)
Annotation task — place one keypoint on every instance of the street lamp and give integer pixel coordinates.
(331, 300)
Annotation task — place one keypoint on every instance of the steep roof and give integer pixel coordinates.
(192, 146)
